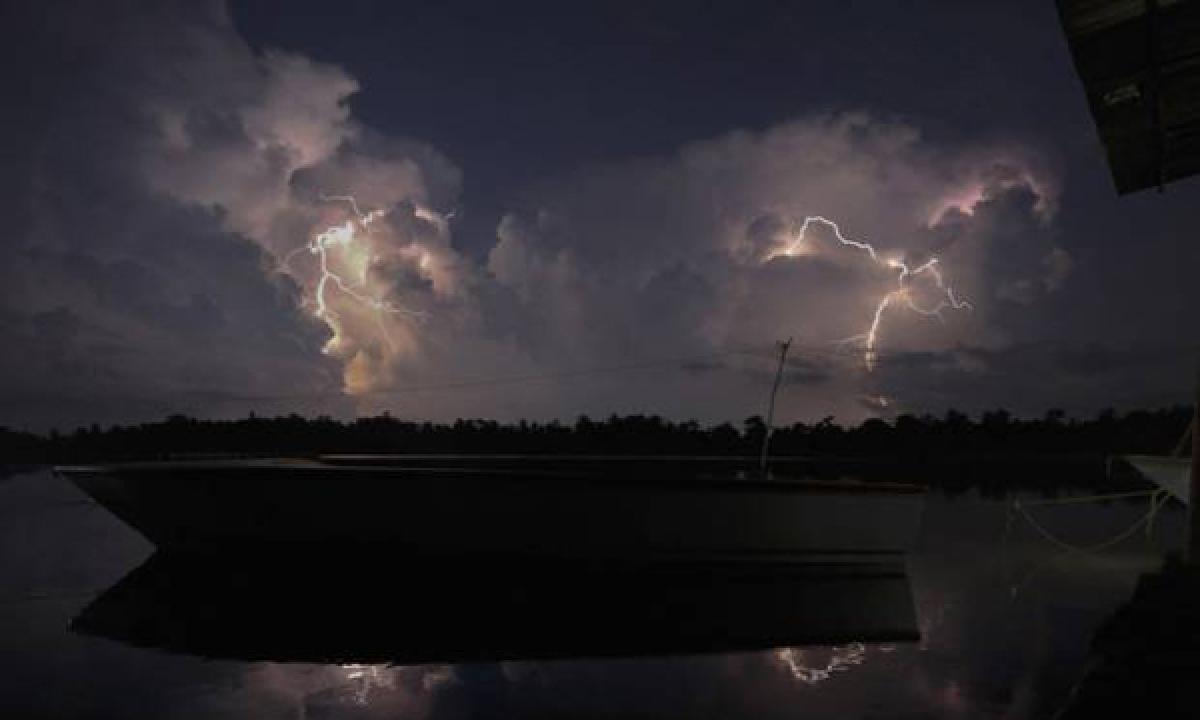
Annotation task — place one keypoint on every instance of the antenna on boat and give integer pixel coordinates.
(783, 351)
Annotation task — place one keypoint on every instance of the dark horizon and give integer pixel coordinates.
(995, 448)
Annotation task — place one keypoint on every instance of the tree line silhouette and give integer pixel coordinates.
(953, 448)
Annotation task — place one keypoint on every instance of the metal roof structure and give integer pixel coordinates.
(1139, 61)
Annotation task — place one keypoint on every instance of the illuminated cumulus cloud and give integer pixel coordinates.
(993, 174)
(358, 222)
(191, 235)
(120, 302)
(848, 233)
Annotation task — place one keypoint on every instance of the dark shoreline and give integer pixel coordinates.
(995, 452)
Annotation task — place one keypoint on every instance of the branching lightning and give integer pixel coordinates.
(346, 239)
(948, 300)
(841, 658)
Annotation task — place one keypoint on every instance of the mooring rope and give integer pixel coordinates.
(1158, 498)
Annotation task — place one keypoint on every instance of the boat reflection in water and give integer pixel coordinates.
(428, 560)
(388, 609)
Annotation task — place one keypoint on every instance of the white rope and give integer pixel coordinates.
(1158, 498)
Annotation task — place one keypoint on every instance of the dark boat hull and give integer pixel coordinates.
(611, 512)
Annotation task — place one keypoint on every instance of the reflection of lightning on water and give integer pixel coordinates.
(366, 678)
(841, 659)
(346, 238)
(948, 300)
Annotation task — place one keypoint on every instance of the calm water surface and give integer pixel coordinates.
(1006, 625)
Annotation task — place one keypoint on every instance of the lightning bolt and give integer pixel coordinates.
(346, 238)
(841, 659)
(949, 300)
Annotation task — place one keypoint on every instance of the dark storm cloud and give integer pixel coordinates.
(925, 360)
(1098, 359)
(799, 371)
(796, 371)
(701, 367)
(114, 304)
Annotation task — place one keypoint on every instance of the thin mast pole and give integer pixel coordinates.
(783, 351)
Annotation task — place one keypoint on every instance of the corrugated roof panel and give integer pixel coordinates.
(1139, 61)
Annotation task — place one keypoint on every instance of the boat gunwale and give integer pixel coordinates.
(641, 479)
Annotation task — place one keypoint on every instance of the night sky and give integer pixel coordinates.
(569, 208)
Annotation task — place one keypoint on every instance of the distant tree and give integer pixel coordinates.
(992, 453)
